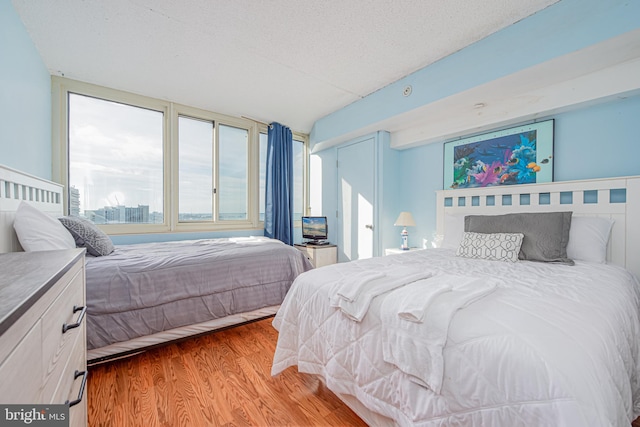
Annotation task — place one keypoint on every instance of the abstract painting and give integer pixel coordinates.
(519, 155)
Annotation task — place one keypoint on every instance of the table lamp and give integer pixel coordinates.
(405, 220)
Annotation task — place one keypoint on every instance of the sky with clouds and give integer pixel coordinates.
(116, 158)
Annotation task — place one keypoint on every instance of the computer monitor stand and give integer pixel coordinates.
(317, 242)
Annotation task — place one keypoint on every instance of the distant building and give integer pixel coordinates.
(74, 201)
(139, 214)
(119, 214)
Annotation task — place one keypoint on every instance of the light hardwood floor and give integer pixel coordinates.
(221, 379)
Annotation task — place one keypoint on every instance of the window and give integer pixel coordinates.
(233, 174)
(115, 161)
(200, 190)
(195, 174)
(298, 176)
(134, 164)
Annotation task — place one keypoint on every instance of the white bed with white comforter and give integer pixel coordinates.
(552, 344)
(540, 343)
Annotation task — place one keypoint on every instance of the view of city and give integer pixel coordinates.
(139, 214)
(117, 166)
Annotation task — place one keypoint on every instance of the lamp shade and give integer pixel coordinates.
(405, 220)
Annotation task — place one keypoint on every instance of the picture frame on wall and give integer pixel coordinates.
(518, 155)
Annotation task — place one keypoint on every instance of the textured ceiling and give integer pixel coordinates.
(291, 61)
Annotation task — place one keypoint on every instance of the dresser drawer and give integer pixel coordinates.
(21, 326)
(78, 416)
(57, 346)
(69, 386)
(21, 371)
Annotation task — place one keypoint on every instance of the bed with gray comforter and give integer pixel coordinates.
(144, 289)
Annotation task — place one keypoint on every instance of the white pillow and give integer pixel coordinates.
(588, 238)
(453, 231)
(491, 246)
(39, 231)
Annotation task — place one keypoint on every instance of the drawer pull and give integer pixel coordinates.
(84, 375)
(83, 311)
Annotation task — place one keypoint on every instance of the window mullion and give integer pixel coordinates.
(214, 174)
(173, 185)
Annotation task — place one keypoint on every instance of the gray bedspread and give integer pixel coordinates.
(143, 289)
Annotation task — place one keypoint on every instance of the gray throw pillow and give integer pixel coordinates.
(87, 235)
(546, 234)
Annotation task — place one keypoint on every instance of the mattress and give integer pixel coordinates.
(552, 345)
(144, 289)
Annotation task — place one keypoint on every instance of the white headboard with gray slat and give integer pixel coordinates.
(614, 198)
(16, 186)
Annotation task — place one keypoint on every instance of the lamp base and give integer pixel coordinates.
(405, 239)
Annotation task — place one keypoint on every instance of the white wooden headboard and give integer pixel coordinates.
(16, 186)
(614, 198)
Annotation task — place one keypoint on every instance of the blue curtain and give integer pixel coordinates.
(278, 214)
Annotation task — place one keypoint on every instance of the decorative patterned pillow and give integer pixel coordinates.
(492, 246)
(87, 235)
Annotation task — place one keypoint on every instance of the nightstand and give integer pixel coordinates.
(319, 255)
(390, 251)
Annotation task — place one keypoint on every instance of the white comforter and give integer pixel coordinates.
(552, 345)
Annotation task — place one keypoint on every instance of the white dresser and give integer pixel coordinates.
(42, 330)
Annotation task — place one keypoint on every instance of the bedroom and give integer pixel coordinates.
(411, 175)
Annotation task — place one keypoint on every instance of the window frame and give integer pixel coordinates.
(218, 119)
(305, 175)
(177, 174)
(61, 87)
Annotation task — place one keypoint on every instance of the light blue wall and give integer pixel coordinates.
(390, 181)
(324, 169)
(595, 142)
(598, 142)
(590, 141)
(422, 176)
(562, 28)
(25, 99)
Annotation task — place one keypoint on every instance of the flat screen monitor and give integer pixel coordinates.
(314, 227)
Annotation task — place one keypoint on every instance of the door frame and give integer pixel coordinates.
(376, 187)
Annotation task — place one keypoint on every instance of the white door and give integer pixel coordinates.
(356, 200)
